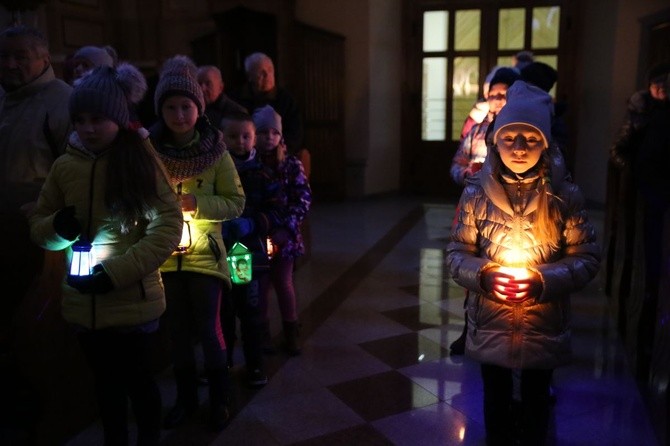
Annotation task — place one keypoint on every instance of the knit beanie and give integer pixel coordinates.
(108, 92)
(266, 118)
(526, 104)
(504, 75)
(95, 55)
(179, 78)
(540, 74)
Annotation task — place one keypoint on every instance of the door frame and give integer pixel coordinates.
(437, 182)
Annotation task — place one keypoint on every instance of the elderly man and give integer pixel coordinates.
(261, 90)
(217, 103)
(34, 126)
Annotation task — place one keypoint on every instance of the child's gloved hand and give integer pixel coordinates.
(65, 224)
(280, 237)
(96, 283)
(238, 228)
(512, 286)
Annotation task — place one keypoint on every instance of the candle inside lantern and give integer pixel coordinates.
(270, 247)
(517, 274)
(185, 241)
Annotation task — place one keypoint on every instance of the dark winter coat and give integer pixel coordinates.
(495, 218)
(295, 198)
(264, 205)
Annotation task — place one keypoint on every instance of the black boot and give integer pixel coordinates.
(457, 347)
(187, 398)
(266, 339)
(291, 338)
(219, 398)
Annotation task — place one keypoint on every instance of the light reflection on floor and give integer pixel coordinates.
(375, 368)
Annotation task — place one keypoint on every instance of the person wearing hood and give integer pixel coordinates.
(131, 224)
(522, 243)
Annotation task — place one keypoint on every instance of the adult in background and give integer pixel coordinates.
(620, 218)
(88, 57)
(34, 125)
(653, 192)
(217, 103)
(261, 90)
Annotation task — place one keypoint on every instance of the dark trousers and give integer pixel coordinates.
(505, 422)
(655, 209)
(243, 302)
(121, 369)
(193, 305)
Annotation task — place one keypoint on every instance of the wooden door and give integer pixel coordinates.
(318, 84)
(451, 46)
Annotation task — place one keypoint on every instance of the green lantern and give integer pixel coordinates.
(239, 264)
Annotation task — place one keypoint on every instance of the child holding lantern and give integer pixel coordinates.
(202, 172)
(520, 212)
(296, 199)
(132, 223)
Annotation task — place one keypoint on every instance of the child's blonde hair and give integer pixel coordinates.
(547, 228)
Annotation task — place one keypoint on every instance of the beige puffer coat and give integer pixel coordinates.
(131, 260)
(495, 217)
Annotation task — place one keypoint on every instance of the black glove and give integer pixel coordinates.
(238, 228)
(65, 224)
(96, 283)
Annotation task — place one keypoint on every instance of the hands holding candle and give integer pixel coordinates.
(512, 284)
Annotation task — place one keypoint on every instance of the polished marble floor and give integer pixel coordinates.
(378, 313)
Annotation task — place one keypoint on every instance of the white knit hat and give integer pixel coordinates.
(266, 117)
(526, 104)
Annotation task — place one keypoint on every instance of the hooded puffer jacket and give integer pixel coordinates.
(131, 260)
(495, 220)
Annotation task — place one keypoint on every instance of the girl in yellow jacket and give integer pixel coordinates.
(109, 190)
(204, 175)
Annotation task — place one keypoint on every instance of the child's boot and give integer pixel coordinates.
(187, 398)
(219, 398)
(291, 338)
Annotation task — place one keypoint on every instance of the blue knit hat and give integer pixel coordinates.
(526, 104)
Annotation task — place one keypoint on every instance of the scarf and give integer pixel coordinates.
(199, 155)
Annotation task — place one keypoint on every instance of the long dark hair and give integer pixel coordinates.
(132, 174)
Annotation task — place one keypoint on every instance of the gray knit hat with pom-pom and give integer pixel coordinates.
(109, 92)
(178, 77)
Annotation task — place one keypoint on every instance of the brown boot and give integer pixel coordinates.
(291, 338)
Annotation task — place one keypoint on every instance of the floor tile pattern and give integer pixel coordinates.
(378, 314)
